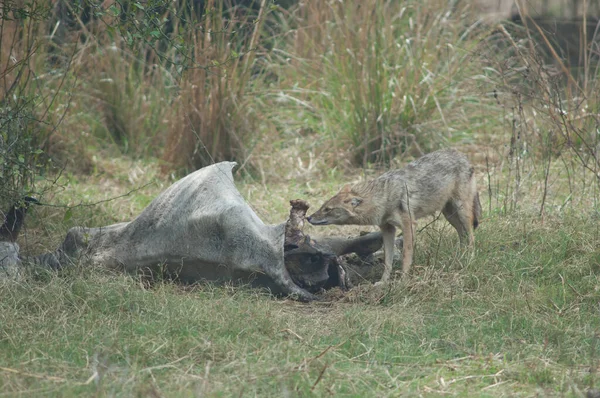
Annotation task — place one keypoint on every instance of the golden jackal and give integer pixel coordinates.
(441, 180)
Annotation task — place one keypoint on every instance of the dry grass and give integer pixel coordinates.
(517, 318)
(520, 317)
(214, 119)
(376, 79)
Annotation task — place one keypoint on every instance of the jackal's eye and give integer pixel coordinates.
(327, 209)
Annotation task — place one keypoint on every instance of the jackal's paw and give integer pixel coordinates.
(381, 284)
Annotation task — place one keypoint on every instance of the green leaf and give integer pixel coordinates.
(114, 10)
(68, 214)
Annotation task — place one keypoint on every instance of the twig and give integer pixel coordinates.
(166, 365)
(26, 374)
(290, 331)
(474, 377)
(494, 385)
(322, 353)
(319, 378)
(100, 201)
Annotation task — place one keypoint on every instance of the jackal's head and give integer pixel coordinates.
(339, 210)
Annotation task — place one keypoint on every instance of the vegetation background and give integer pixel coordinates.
(103, 104)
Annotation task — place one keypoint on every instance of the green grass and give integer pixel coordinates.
(519, 317)
(389, 77)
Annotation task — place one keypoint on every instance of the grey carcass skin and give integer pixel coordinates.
(200, 228)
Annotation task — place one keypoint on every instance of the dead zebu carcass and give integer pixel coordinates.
(201, 228)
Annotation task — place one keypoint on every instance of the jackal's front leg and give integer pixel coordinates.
(388, 233)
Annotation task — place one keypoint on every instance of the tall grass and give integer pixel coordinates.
(378, 77)
(181, 96)
(550, 114)
(214, 119)
(133, 97)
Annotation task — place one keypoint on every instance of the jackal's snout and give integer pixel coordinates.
(315, 221)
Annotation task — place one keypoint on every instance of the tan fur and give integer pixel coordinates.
(439, 181)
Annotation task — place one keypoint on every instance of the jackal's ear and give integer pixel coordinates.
(355, 201)
(346, 188)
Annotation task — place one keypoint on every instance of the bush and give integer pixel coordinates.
(26, 117)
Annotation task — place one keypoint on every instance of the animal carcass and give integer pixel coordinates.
(202, 229)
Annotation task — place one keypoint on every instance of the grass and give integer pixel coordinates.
(510, 321)
(379, 78)
(214, 118)
(518, 318)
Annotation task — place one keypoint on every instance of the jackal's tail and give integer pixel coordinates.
(476, 210)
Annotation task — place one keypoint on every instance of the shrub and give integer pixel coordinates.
(28, 114)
